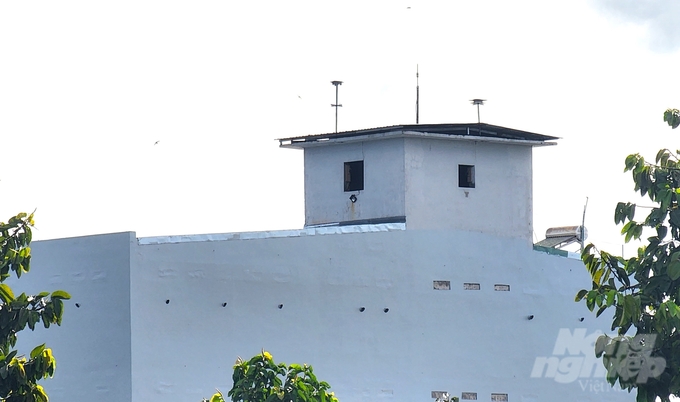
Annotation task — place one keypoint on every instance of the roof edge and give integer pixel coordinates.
(470, 132)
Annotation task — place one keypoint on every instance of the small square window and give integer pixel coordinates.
(466, 176)
(354, 176)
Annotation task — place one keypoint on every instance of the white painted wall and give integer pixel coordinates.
(383, 194)
(418, 178)
(92, 346)
(501, 202)
(125, 343)
(456, 340)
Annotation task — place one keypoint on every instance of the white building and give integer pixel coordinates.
(415, 274)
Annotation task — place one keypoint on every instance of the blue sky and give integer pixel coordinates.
(87, 88)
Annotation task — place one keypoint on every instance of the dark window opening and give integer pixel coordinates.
(354, 176)
(466, 176)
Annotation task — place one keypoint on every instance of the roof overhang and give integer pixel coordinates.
(478, 132)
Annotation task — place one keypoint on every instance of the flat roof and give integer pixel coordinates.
(309, 231)
(459, 131)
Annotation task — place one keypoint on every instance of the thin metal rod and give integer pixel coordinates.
(478, 119)
(417, 96)
(336, 105)
(583, 228)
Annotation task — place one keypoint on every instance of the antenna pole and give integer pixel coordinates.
(336, 105)
(417, 96)
(583, 228)
(478, 102)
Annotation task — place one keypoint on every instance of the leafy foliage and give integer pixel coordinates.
(18, 374)
(643, 291)
(261, 380)
(672, 117)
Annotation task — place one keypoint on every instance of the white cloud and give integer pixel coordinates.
(659, 18)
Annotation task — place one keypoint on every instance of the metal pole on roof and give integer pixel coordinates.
(336, 105)
(478, 102)
(417, 96)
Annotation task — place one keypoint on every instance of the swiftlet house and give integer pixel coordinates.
(414, 279)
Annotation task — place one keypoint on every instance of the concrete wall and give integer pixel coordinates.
(92, 346)
(418, 178)
(185, 341)
(153, 324)
(501, 202)
(383, 194)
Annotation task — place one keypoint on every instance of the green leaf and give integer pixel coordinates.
(642, 396)
(590, 299)
(601, 310)
(598, 276)
(10, 356)
(60, 294)
(611, 296)
(672, 117)
(674, 270)
(631, 160)
(6, 293)
(661, 231)
(39, 394)
(660, 154)
(580, 295)
(674, 217)
(58, 310)
(619, 213)
(37, 351)
(217, 398)
(600, 345)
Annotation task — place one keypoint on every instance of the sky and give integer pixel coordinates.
(161, 117)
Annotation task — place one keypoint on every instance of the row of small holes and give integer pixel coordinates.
(361, 309)
(280, 306)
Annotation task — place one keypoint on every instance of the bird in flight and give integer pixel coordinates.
(156, 143)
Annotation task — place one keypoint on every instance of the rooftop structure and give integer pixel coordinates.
(430, 176)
